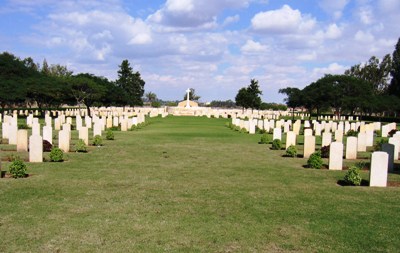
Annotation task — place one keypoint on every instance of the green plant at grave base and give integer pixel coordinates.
(378, 133)
(351, 133)
(109, 135)
(56, 155)
(260, 131)
(325, 151)
(237, 128)
(97, 141)
(276, 144)
(80, 147)
(353, 176)
(291, 151)
(315, 161)
(378, 143)
(18, 169)
(115, 128)
(362, 165)
(265, 139)
(243, 131)
(13, 157)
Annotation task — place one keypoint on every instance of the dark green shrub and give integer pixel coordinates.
(109, 135)
(260, 130)
(156, 104)
(80, 146)
(237, 128)
(276, 144)
(353, 176)
(115, 128)
(378, 133)
(97, 141)
(315, 161)
(47, 146)
(378, 143)
(265, 139)
(17, 169)
(325, 151)
(291, 151)
(352, 133)
(243, 131)
(56, 155)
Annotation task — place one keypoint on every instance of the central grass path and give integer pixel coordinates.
(186, 184)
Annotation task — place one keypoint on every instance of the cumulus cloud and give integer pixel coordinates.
(333, 32)
(231, 20)
(333, 68)
(192, 13)
(253, 47)
(334, 8)
(282, 21)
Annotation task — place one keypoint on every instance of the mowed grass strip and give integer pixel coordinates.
(186, 184)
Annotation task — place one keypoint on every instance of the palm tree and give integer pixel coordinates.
(151, 96)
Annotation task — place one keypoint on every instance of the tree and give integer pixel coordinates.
(87, 89)
(249, 97)
(151, 96)
(192, 95)
(394, 88)
(131, 83)
(374, 71)
(293, 98)
(241, 98)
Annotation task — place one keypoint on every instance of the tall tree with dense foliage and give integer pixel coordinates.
(249, 97)
(394, 88)
(293, 98)
(374, 71)
(131, 83)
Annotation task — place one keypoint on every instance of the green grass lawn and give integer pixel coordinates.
(185, 184)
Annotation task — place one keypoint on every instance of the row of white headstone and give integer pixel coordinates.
(34, 144)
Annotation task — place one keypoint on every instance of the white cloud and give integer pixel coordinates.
(333, 32)
(193, 14)
(253, 47)
(366, 15)
(231, 20)
(334, 8)
(282, 21)
(364, 37)
(333, 68)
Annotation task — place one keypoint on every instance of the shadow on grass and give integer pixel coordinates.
(344, 183)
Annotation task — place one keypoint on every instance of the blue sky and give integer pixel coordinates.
(214, 46)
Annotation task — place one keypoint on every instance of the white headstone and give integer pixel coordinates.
(336, 156)
(309, 145)
(351, 147)
(35, 149)
(290, 139)
(84, 135)
(379, 169)
(48, 134)
(277, 134)
(22, 140)
(362, 142)
(64, 140)
(326, 139)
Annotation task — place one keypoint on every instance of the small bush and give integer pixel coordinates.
(315, 161)
(325, 151)
(97, 141)
(156, 104)
(47, 146)
(352, 133)
(378, 143)
(276, 144)
(362, 165)
(18, 169)
(13, 157)
(291, 151)
(80, 147)
(264, 139)
(260, 131)
(237, 128)
(110, 135)
(243, 131)
(56, 155)
(353, 176)
(115, 128)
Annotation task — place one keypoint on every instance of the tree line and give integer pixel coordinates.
(372, 88)
(24, 83)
